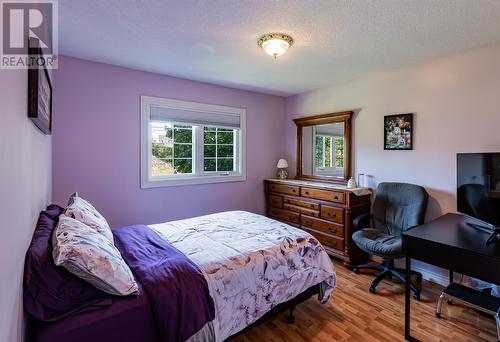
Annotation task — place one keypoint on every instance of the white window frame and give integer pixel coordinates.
(199, 176)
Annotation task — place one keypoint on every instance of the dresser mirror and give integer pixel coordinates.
(324, 147)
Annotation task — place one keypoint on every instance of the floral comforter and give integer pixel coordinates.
(251, 264)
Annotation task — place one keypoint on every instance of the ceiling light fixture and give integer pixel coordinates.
(275, 44)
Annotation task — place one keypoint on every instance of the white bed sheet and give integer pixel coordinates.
(251, 263)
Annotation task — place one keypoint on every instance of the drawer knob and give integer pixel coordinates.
(312, 205)
(332, 215)
(307, 192)
(275, 202)
(291, 218)
(335, 197)
(293, 190)
(308, 223)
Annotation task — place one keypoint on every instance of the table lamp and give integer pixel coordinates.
(282, 172)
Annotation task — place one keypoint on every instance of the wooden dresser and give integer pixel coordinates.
(322, 209)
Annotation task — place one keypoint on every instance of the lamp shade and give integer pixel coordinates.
(282, 163)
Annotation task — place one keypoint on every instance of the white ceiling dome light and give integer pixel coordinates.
(275, 44)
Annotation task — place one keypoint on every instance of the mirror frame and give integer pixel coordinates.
(346, 118)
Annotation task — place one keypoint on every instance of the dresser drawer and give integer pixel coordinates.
(332, 214)
(305, 204)
(284, 189)
(301, 210)
(275, 201)
(322, 226)
(326, 195)
(284, 215)
(327, 240)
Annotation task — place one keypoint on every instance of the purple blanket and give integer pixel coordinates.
(177, 290)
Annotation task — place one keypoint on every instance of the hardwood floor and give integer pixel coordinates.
(354, 314)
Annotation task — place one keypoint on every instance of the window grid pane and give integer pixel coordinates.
(218, 149)
(172, 149)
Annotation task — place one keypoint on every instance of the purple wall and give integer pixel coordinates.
(96, 143)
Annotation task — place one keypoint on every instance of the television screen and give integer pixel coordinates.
(478, 186)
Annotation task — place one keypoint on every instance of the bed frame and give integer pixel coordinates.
(280, 308)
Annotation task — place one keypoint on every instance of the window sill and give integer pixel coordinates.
(193, 180)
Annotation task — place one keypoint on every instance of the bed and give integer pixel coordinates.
(253, 266)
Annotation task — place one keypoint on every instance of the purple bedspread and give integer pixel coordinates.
(177, 290)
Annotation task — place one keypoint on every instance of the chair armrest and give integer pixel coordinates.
(359, 220)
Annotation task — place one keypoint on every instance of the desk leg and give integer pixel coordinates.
(451, 281)
(408, 336)
(407, 299)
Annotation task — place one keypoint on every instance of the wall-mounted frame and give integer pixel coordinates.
(344, 120)
(39, 91)
(398, 132)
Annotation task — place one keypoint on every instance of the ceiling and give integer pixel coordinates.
(215, 40)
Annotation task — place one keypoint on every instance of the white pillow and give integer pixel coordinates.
(81, 210)
(91, 256)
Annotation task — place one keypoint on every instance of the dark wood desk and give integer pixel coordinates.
(448, 242)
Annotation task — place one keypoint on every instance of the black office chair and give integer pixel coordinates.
(473, 200)
(397, 208)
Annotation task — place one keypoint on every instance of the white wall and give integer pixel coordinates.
(456, 101)
(25, 189)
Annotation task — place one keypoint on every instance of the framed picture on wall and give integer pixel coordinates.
(398, 132)
(39, 91)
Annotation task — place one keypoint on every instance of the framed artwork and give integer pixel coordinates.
(398, 132)
(39, 93)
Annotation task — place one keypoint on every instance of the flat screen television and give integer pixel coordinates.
(478, 186)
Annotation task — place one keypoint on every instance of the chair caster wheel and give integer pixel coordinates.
(416, 296)
(450, 302)
(290, 319)
(438, 315)
(418, 278)
(372, 290)
(355, 270)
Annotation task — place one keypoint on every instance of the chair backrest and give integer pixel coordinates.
(473, 200)
(398, 207)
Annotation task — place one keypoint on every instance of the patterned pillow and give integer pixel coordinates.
(81, 210)
(91, 256)
(51, 292)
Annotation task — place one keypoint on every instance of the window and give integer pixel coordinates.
(190, 143)
(329, 152)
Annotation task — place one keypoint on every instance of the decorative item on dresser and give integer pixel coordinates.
(282, 166)
(322, 209)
